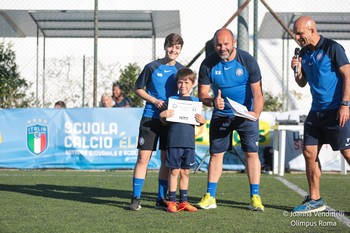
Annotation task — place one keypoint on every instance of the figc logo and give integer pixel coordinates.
(37, 137)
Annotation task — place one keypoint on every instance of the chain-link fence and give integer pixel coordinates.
(69, 65)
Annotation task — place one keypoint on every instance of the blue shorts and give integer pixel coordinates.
(149, 132)
(323, 128)
(177, 158)
(222, 126)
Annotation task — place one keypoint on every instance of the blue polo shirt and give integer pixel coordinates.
(233, 78)
(321, 69)
(160, 82)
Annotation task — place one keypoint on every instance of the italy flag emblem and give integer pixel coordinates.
(37, 136)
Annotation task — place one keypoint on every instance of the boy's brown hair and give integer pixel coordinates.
(173, 39)
(186, 73)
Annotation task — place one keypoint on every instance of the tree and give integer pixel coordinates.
(127, 80)
(271, 103)
(12, 86)
(61, 82)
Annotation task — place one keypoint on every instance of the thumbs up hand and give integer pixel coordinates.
(219, 102)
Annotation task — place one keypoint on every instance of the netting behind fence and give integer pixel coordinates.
(69, 64)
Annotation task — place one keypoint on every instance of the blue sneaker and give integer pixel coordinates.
(310, 206)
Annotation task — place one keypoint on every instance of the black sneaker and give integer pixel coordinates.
(161, 204)
(135, 204)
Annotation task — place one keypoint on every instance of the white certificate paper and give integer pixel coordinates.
(240, 110)
(184, 111)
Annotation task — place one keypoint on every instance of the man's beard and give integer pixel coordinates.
(224, 57)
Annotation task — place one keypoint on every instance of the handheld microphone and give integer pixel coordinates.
(296, 54)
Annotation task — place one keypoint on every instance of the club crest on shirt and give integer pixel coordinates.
(239, 72)
(319, 56)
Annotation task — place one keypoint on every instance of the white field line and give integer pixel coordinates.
(341, 217)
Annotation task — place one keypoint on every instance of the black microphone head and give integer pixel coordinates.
(296, 51)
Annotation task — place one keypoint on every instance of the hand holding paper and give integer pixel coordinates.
(240, 110)
(184, 111)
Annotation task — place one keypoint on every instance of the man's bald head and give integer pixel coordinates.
(306, 32)
(306, 21)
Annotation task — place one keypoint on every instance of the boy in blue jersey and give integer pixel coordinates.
(235, 74)
(180, 155)
(324, 65)
(155, 85)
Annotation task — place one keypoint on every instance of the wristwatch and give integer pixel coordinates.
(345, 103)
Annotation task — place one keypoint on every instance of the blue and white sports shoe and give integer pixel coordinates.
(310, 206)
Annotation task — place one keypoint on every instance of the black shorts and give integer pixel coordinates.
(177, 158)
(221, 128)
(149, 132)
(323, 128)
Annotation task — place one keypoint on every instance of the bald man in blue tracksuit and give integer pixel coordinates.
(324, 65)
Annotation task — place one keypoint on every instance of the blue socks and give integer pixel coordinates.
(138, 184)
(212, 188)
(137, 187)
(162, 188)
(183, 195)
(254, 189)
(172, 196)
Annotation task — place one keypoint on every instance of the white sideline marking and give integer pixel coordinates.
(341, 217)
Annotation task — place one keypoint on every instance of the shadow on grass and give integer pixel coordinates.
(79, 193)
(111, 197)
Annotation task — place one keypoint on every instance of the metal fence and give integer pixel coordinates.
(69, 65)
